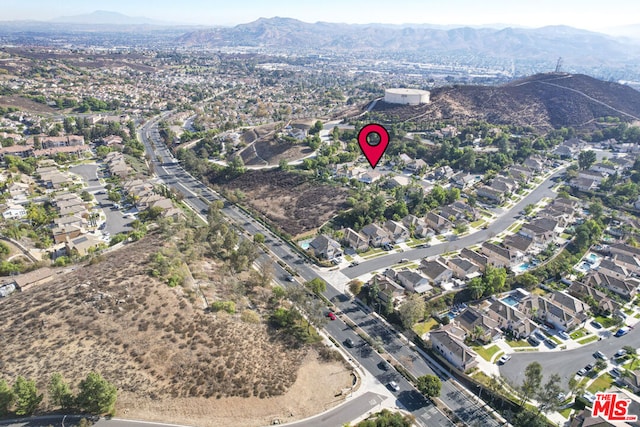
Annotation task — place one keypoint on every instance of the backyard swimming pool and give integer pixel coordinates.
(510, 300)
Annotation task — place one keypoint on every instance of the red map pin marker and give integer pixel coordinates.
(373, 153)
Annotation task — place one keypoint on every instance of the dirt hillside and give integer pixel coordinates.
(165, 356)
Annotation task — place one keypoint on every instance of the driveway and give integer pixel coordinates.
(566, 362)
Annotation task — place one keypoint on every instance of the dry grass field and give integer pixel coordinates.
(169, 360)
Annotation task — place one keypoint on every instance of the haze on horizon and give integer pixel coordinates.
(585, 14)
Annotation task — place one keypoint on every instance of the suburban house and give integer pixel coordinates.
(612, 269)
(410, 280)
(606, 305)
(417, 226)
(463, 180)
(628, 262)
(451, 346)
(541, 235)
(623, 248)
(324, 247)
(472, 320)
(398, 232)
(608, 169)
(592, 175)
(377, 235)
(632, 381)
(563, 214)
(439, 223)
(389, 290)
(521, 174)
(443, 172)
(417, 165)
(561, 310)
(83, 245)
(463, 268)
(436, 271)
(627, 289)
(478, 259)
(510, 319)
(584, 184)
(504, 185)
(518, 243)
(490, 194)
(370, 177)
(498, 256)
(14, 211)
(355, 240)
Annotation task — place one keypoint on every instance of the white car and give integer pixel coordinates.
(394, 386)
(504, 359)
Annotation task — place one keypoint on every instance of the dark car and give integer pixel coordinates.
(384, 365)
(533, 341)
(596, 324)
(349, 343)
(551, 343)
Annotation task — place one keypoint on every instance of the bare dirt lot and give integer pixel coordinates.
(270, 152)
(169, 360)
(291, 201)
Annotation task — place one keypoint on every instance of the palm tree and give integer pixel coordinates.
(478, 331)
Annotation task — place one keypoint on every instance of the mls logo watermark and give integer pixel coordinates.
(612, 407)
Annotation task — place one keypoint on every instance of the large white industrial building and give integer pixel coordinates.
(406, 96)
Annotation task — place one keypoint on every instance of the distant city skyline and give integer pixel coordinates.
(585, 14)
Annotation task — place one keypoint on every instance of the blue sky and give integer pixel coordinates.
(587, 14)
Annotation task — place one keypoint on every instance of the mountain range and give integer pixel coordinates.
(540, 43)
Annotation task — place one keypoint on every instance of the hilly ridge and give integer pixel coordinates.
(582, 46)
(543, 101)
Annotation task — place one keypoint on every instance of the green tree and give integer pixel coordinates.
(283, 164)
(26, 395)
(97, 395)
(476, 287)
(547, 396)
(316, 285)
(429, 385)
(258, 238)
(60, 392)
(355, 287)
(412, 310)
(531, 382)
(6, 397)
(586, 159)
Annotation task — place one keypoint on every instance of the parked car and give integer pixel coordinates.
(615, 372)
(403, 260)
(622, 331)
(384, 365)
(349, 343)
(394, 386)
(354, 263)
(387, 247)
(620, 353)
(582, 372)
(596, 324)
(504, 359)
(290, 278)
(589, 397)
(331, 315)
(551, 343)
(599, 355)
(533, 341)
(564, 335)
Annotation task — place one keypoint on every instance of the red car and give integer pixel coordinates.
(331, 315)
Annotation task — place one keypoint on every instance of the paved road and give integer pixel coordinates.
(198, 196)
(567, 362)
(505, 220)
(116, 222)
